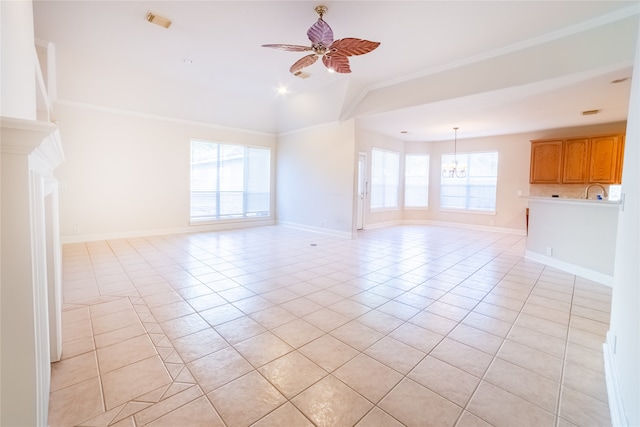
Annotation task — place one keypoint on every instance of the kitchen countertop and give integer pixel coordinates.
(575, 201)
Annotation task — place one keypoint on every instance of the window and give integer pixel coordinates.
(229, 181)
(416, 181)
(477, 190)
(384, 179)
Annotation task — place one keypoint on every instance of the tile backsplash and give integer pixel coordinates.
(570, 191)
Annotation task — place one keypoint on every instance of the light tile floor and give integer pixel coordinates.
(272, 326)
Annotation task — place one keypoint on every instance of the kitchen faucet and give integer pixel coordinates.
(586, 192)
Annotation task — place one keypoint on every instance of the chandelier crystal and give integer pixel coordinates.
(454, 169)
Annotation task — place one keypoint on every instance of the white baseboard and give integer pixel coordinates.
(376, 225)
(587, 273)
(383, 224)
(321, 230)
(489, 228)
(199, 228)
(616, 406)
(253, 223)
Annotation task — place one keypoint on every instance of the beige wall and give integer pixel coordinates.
(128, 174)
(315, 178)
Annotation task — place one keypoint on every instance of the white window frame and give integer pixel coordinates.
(465, 184)
(245, 189)
(384, 181)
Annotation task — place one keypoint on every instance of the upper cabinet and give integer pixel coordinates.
(546, 162)
(575, 161)
(582, 160)
(606, 159)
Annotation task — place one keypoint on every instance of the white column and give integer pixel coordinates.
(54, 267)
(30, 153)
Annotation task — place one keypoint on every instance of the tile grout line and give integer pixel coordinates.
(495, 356)
(406, 376)
(382, 266)
(564, 356)
(394, 329)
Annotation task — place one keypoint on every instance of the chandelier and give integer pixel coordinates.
(454, 169)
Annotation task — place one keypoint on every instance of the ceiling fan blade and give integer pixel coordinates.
(303, 62)
(337, 63)
(320, 33)
(288, 47)
(351, 46)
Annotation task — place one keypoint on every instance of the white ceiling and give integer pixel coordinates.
(107, 54)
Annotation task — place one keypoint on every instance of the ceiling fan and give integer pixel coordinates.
(334, 53)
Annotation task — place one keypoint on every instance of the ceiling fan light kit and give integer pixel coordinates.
(321, 10)
(455, 169)
(334, 53)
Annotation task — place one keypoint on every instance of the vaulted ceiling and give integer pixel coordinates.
(489, 67)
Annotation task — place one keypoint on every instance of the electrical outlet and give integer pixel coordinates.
(549, 251)
(519, 193)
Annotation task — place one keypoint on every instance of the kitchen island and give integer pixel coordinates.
(574, 235)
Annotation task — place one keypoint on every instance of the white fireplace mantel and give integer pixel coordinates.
(30, 286)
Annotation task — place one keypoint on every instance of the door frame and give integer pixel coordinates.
(363, 191)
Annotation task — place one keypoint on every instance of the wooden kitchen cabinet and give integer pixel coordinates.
(620, 160)
(546, 162)
(575, 165)
(605, 158)
(585, 160)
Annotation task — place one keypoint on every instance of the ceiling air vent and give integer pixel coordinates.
(158, 20)
(590, 112)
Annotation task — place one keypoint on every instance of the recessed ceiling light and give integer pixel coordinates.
(283, 90)
(590, 112)
(158, 20)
